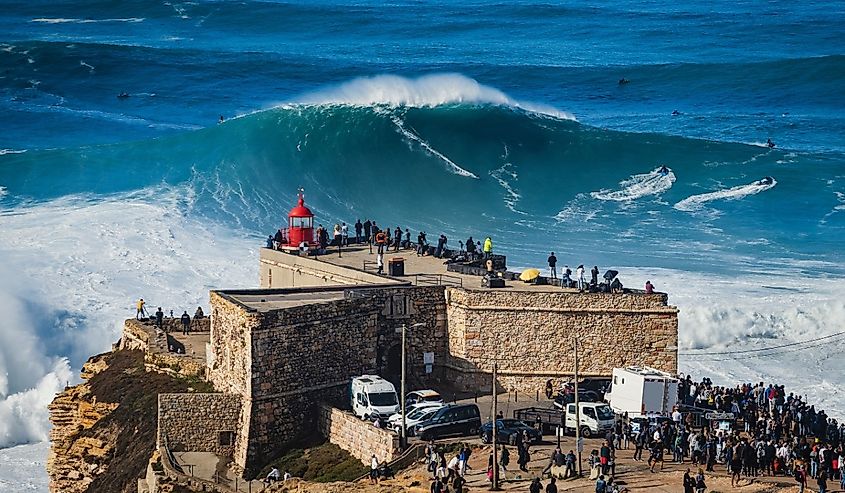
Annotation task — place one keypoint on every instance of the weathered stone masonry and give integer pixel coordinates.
(199, 422)
(282, 362)
(531, 334)
(359, 438)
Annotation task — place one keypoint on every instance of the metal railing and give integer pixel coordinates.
(437, 280)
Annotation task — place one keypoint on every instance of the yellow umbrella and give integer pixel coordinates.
(529, 275)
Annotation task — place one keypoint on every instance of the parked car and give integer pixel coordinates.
(419, 396)
(508, 430)
(450, 420)
(412, 418)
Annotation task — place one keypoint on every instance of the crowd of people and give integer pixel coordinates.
(447, 476)
(158, 316)
(578, 280)
(780, 435)
(383, 239)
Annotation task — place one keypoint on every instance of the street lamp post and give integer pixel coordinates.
(403, 329)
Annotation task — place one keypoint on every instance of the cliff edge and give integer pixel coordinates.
(104, 429)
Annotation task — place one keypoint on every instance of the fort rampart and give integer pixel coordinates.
(359, 438)
(532, 335)
(199, 422)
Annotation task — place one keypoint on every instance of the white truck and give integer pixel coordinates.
(373, 396)
(642, 392)
(596, 417)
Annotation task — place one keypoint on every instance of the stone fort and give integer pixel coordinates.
(277, 353)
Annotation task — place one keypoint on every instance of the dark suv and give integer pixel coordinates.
(451, 420)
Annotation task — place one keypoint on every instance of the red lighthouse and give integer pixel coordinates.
(300, 223)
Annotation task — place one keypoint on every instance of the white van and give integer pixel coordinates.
(596, 418)
(642, 392)
(373, 396)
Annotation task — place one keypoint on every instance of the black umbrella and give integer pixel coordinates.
(609, 275)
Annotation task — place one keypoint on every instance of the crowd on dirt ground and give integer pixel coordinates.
(773, 433)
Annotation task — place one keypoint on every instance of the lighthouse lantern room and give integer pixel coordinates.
(300, 223)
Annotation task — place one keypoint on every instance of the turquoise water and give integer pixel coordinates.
(738, 73)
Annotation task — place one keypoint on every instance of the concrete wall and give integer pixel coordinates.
(359, 438)
(283, 270)
(191, 422)
(531, 334)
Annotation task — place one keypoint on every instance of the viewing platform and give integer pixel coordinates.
(358, 266)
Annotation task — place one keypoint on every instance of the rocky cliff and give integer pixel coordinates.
(104, 428)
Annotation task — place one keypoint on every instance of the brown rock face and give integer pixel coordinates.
(74, 460)
(104, 428)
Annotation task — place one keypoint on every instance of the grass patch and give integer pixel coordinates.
(320, 462)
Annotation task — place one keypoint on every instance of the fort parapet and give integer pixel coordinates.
(276, 353)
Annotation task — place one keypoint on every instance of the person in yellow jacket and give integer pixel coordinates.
(140, 311)
(488, 247)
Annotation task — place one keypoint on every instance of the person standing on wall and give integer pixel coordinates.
(381, 240)
(186, 323)
(579, 274)
(488, 247)
(368, 226)
(552, 266)
(358, 228)
(397, 238)
(159, 318)
(594, 276)
(344, 234)
(140, 311)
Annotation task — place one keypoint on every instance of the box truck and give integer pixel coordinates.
(642, 392)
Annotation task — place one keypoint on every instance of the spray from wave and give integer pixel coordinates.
(696, 202)
(655, 182)
(61, 304)
(426, 91)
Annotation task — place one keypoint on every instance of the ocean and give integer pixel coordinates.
(543, 125)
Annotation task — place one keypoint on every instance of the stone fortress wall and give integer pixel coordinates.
(531, 335)
(359, 438)
(198, 422)
(283, 270)
(285, 357)
(282, 362)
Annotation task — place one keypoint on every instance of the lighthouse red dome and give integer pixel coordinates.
(300, 210)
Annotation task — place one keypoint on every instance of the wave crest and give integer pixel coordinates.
(426, 91)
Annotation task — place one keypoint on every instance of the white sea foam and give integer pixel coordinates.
(450, 165)
(426, 91)
(70, 272)
(638, 186)
(11, 151)
(696, 202)
(23, 468)
(752, 311)
(62, 20)
(502, 175)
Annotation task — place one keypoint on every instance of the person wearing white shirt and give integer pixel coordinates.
(373, 470)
